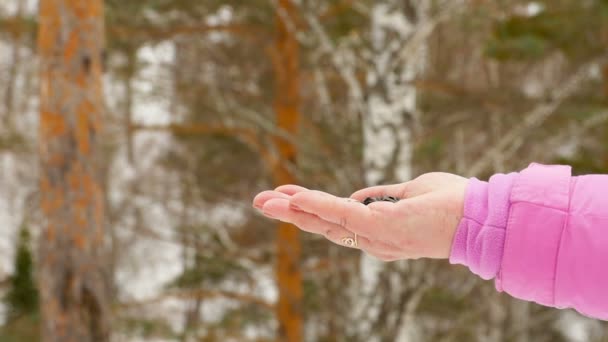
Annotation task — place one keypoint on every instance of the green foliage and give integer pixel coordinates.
(579, 111)
(429, 149)
(147, 18)
(27, 27)
(240, 166)
(348, 21)
(12, 141)
(26, 328)
(312, 293)
(585, 163)
(518, 47)
(246, 315)
(22, 297)
(439, 301)
(209, 271)
(146, 328)
(575, 28)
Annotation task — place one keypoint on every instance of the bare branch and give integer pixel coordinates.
(336, 9)
(343, 62)
(162, 33)
(426, 28)
(200, 294)
(578, 131)
(533, 119)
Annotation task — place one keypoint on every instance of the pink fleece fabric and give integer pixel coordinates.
(541, 234)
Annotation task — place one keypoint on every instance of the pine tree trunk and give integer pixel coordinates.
(73, 281)
(287, 101)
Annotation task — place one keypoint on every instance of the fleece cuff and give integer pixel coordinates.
(480, 236)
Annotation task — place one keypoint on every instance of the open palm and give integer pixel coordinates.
(421, 225)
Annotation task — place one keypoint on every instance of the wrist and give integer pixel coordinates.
(479, 238)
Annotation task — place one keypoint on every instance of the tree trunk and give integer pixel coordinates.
(388, 129)
(391, 96)
(9, 95)
(287, 101)
(73, 281)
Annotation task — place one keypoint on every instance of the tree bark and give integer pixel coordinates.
(9, 95)
(73, 281)
(388, 142)
(287, 101)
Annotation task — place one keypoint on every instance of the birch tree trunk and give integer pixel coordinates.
(15, 63)
(391, 103)
(391, 96)
(287, 103)
(73, 281)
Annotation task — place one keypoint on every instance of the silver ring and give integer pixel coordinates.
(350, 242)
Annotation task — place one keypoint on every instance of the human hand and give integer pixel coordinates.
(421, 225)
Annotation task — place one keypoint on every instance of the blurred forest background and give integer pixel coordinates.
(146, 139)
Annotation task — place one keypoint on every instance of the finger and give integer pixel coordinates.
(394, 190)
(349, 214)
(383, 257)
(281, 209)
(264, 196)
(290, 189)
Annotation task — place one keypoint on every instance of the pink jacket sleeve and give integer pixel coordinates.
(541, 234)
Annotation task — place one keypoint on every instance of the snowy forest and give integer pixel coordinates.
(134, 135)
